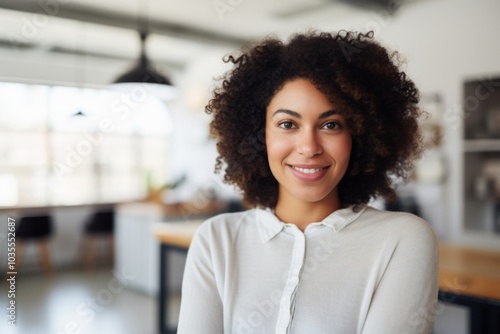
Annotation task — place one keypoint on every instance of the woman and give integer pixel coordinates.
(310, 131)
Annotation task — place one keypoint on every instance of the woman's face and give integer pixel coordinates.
(308, 143)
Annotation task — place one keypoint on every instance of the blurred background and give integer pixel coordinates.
(103, 134)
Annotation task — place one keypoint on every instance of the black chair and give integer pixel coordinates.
(99, 226)
(39, 230)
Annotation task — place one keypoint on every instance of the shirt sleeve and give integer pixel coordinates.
(201, 306)
(405, 300)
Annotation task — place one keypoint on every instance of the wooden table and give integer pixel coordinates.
(467, 276)
(471, 277)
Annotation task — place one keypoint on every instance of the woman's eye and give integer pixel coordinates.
(286, 125)
(332, 126)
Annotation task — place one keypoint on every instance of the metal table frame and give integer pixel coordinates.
(165, 249)
(484, 314)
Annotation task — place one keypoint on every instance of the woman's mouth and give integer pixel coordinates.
(308, 173)
(308, 170)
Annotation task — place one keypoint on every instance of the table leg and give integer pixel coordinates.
(164, 293)
(162, 307)
(476, 318)
(493, 321)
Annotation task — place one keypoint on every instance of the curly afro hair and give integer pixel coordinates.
(378, 101)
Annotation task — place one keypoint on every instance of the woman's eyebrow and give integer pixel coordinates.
(288, 112)
(297, 115)
(328, 113)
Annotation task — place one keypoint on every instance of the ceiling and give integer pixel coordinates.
(179, 29)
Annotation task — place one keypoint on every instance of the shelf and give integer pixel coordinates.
(480, 226)
(482, 145)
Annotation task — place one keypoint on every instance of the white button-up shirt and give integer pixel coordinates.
(355, 272)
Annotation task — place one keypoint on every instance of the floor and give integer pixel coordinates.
(79, 302)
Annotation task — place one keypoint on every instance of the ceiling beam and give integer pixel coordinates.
(85, 14)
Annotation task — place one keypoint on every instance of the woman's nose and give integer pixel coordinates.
(308, 143)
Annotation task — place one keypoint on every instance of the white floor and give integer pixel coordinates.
(78, 302)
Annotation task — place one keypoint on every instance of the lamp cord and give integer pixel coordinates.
(143, 27)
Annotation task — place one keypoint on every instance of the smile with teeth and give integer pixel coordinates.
(308, 170)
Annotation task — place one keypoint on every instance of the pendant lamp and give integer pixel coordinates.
(144, 73)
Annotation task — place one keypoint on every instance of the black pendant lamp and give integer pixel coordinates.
(143, 71)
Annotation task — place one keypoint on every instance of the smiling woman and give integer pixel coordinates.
(308, 148)
(310, 130)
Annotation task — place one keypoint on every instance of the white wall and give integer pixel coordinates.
(193, 153)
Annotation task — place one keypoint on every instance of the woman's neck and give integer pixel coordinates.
(301, 213)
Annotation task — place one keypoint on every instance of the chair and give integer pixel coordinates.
(99, 226)
(38, 229)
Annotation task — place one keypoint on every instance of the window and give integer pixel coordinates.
(66, 145)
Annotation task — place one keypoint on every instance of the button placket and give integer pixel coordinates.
(290, 290)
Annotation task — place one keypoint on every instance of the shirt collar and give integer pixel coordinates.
(339, 219)
(269, 225)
